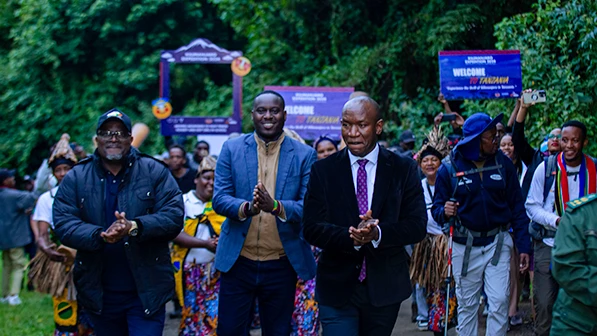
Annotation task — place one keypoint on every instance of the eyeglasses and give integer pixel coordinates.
(107, 135)
(554, 137)
(263, 111)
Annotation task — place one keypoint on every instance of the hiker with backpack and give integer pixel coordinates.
(479, 187)
(561, 178)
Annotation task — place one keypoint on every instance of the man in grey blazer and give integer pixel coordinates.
(261, 179)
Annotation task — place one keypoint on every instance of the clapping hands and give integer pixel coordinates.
(118, 230)
(262, 201)
(367, 230)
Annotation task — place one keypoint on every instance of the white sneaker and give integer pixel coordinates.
(14, 300)
(422, 325)
(4, 300)
(516, 320)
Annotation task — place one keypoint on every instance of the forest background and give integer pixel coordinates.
(66, 62)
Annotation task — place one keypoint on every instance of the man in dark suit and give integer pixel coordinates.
(363, 205)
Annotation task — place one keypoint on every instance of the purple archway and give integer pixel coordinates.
(200, 51)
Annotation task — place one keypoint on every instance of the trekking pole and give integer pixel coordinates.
(452, 223)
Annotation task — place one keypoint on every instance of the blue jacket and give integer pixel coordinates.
(484, 204)
(236, 177)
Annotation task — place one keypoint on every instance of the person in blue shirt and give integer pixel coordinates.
(485, 203)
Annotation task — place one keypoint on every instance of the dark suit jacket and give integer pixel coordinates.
(330, 208)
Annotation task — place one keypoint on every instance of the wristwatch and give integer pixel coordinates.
(134, 231)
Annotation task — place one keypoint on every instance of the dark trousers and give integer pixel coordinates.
(124, 315)
(273, 283)
(359, 317)
(545, 289)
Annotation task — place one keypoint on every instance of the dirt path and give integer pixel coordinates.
(403, 327)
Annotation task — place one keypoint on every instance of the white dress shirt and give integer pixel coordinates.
(544, 213)
(193, 207)
(371, 169)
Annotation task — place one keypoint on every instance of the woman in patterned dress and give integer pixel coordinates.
(428, 266)
(197, 280)
(56, 263)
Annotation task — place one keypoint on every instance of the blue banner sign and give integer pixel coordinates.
(314, 111)
(176, 125)
(480, 74)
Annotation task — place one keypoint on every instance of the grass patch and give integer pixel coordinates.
(32, 318)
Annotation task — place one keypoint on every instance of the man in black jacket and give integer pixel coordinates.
(119, 208)
(363, 205)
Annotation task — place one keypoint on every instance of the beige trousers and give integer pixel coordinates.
(13, 268)
(497, 286)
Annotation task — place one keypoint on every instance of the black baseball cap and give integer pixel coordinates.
(407, 136)
(115, 114)
(6, 173)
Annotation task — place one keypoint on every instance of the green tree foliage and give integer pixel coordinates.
(69, 61)
(558, 43)
(386, 48)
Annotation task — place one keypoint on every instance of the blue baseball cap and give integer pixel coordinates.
(473, 127)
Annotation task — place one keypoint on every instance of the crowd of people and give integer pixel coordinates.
(298, 240)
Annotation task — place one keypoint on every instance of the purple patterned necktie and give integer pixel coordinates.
(363, 201)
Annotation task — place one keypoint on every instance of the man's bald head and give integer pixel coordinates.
(361, 125)
(358, 94)
(363, 102)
